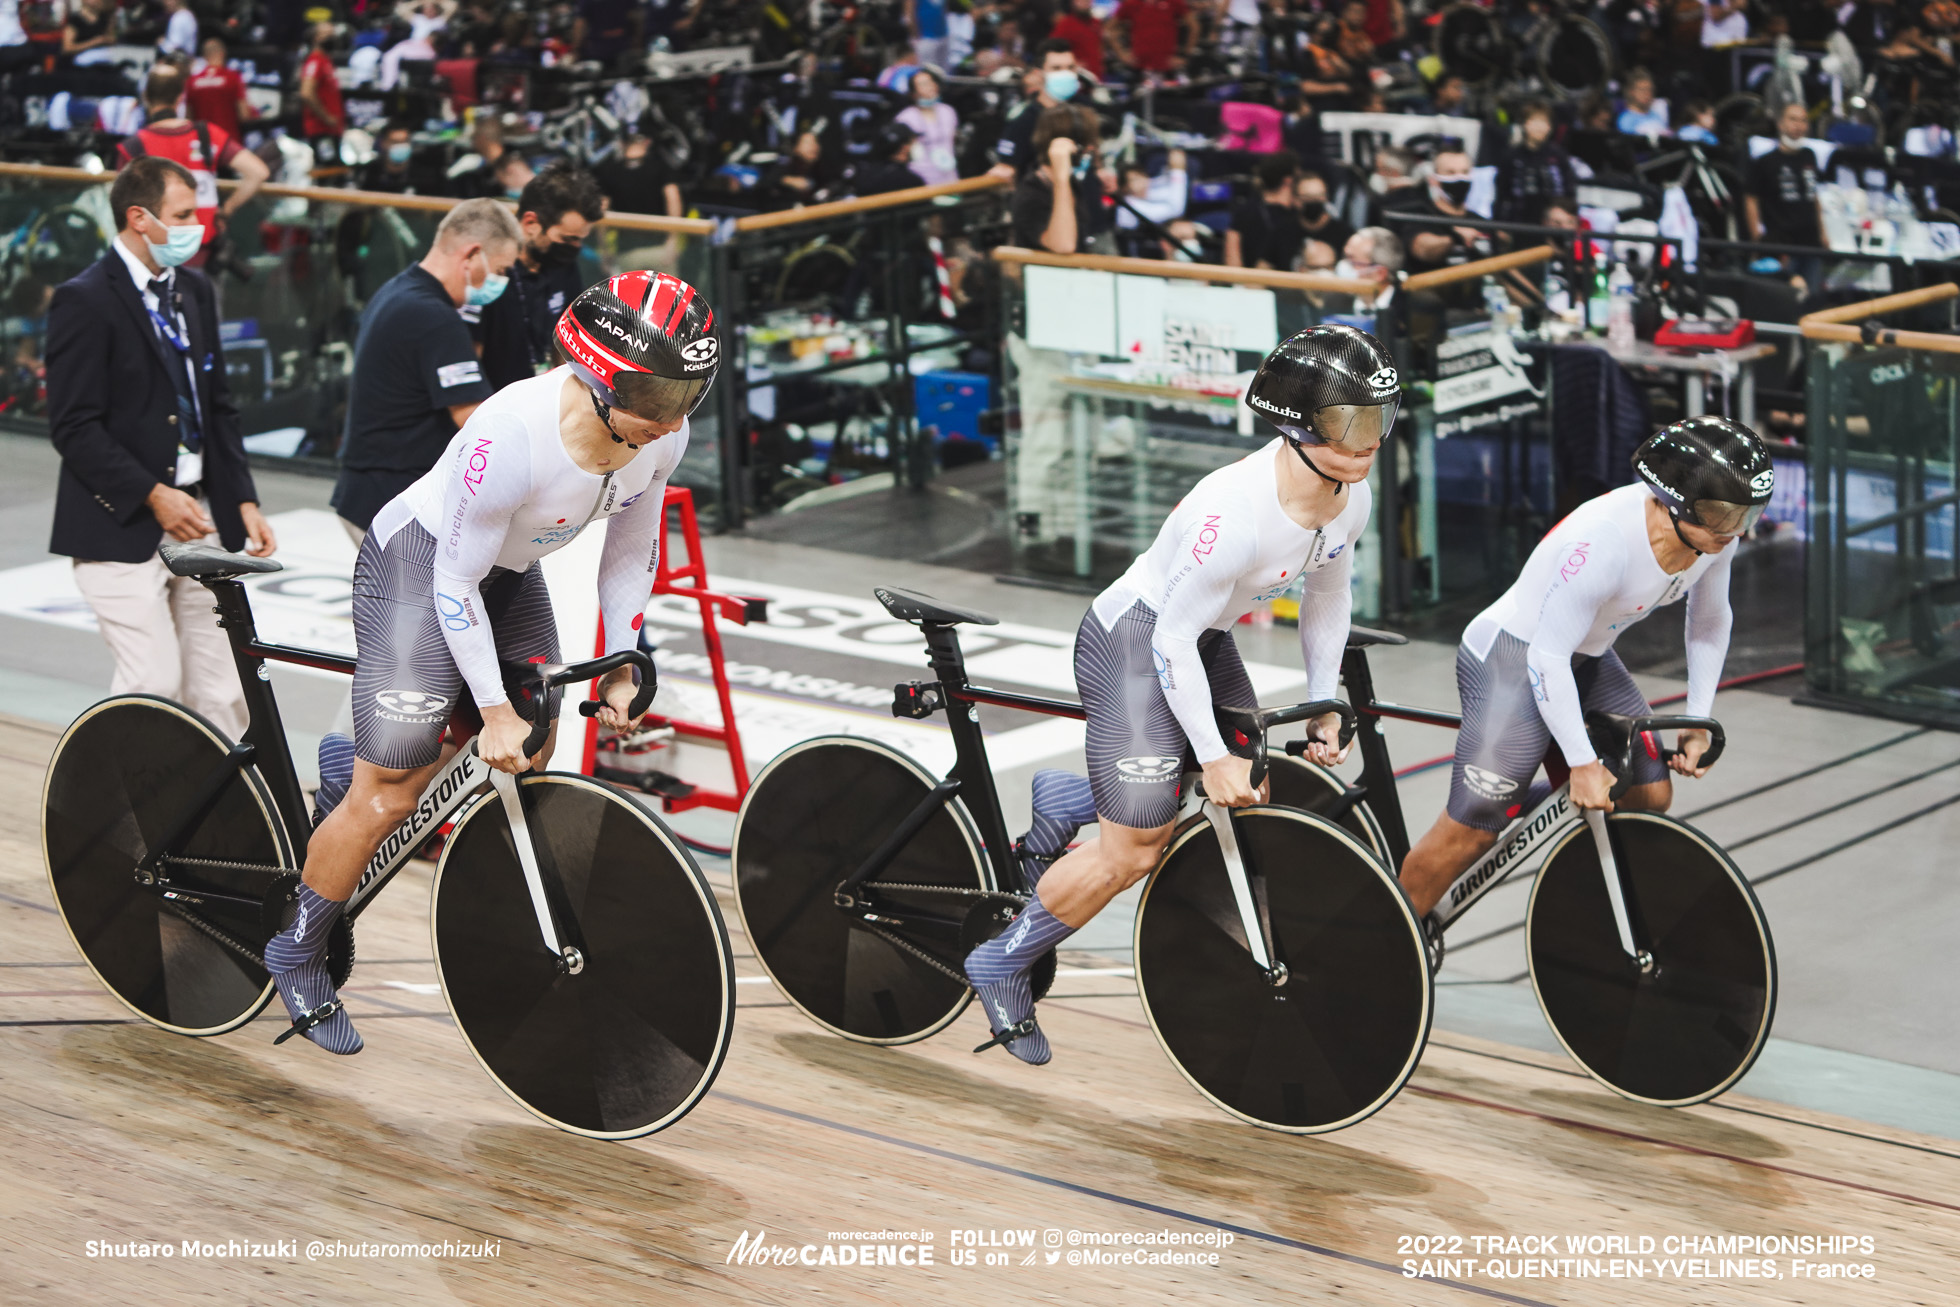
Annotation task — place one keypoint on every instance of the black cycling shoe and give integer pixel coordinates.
(316, 1010)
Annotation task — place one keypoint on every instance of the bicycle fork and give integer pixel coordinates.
(1252, 913)
(570, 959)
(1609, 866)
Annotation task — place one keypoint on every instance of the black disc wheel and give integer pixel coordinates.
(122, 780)
(1342, 1032)
(1686, 1027)
(629, 1039)
(1310, 787)
(811, 818)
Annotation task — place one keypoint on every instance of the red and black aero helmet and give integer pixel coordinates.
(644, 343)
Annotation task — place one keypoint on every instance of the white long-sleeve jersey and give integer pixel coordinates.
(1590, 578)
(1227, 547)
(506, 493)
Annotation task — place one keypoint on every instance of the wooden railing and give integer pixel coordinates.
(1481, 268)
(1268, 277)
(867, 203)
(1835, 324)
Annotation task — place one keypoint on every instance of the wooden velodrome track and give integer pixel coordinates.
(111, 1130)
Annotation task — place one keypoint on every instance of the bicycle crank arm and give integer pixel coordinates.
(527, 858)
(1235, 874)
(1615, 891)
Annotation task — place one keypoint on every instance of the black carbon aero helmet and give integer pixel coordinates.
(643, 342)
(1328, 385)
(1708, 471)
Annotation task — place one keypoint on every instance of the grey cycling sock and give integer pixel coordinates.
(1063, 805)
(306, 939)
(1009, 1005)
(1014, 950)
(308, 993)
(336, 775)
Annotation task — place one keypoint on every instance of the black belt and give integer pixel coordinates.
(195, 489)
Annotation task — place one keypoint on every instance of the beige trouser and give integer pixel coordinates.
(165, 638)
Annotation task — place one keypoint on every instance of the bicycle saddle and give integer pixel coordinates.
(195, 558)
(1360, 637)
(911, 606)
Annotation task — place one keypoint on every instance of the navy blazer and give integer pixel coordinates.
(112, 415)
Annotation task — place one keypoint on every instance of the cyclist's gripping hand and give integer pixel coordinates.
(1592, 786)
(501, 745)
(1691, 745)
(617, 690)
(1228, 782)
(1324, 735)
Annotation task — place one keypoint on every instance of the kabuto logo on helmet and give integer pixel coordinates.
(1654, 480)
(701, 354)
(1272, 408)
(1385, 380)
(1763, 482)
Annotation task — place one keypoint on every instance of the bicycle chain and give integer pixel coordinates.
(173, 860)
(222, 936)
(953, 890)
(956, 977)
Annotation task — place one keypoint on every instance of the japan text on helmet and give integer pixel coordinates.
(1328, 385)
(1708, 471)
(644, 343)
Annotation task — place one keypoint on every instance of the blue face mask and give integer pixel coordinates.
(487, 293)
(927, 101)
(183, 245)
(399, 153)
(1061, 86)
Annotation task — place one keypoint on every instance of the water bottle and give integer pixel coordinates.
(1598, 302)
(1619, 308)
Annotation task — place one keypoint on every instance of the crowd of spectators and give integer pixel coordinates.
(440, 97)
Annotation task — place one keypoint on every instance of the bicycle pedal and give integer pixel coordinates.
(1016, 1031)
(309, 1020)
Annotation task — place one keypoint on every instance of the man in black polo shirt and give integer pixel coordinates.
(416, 376)
(1781, 204)
(555, 213)
(1442, 196)
(1059, 82)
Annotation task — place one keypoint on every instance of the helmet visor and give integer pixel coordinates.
(1354, 428)
(660, 399)
(1726, 519)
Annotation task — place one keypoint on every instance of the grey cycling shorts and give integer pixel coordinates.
(1137, 751)
(406, 684)
(1504, 737)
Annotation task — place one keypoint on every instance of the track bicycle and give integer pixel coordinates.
(1278, 960)
(580, 950)
(1648, 951)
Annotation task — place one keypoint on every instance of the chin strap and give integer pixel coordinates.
(605, 415)
(1302, 452)
(1675, 518)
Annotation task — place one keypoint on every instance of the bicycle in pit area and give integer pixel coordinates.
(579, 949)
(1278, 961)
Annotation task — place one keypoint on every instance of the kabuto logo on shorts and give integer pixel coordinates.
(409, 705)
(1489, 783)
(1147, 768)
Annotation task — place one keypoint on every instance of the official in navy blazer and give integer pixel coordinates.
(140, 412)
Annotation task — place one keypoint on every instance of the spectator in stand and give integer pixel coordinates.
(16, 51)
(1329, 79)
(1535, 170)
(1265, 231)
(1447, 189)
(389, 171)
(938, 130)
(1159, 200)
(1372, 254)
(1059, 82)
(888, 167)
(1393, 183)
(1318, 222)
(1300, 131)
(607, 31)
(1643, 115)
(1352, 38)
(88, 29)
(1698, 123)
(510, 174)
(803, 176)
(555, 215)
(473, 177)
(321, 118)
(1781, 205)
(180, 33)
(636, 180)
(926, 19)
(1447, 98)
(1561, 212)
(1153, 37)
(201, 149)
(215, 93)
(1724, 23)
(1058, 206)
(1079, 26)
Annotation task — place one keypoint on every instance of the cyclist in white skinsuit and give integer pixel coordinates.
(447, 583)
(1536, 661)
(1155, 654)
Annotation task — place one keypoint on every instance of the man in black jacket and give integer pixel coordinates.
(140, 412)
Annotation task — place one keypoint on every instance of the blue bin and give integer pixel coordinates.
(953, 402)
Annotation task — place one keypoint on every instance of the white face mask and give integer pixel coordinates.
(1791, 142)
